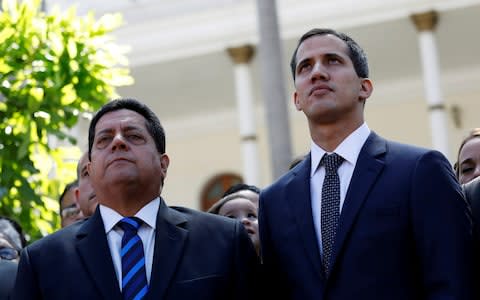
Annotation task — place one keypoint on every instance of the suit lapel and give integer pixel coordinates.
(369, 165)
(298, 197)
(93, 248)
(169, 243)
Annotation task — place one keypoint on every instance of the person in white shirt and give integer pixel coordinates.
(134, 246)
(360, 217)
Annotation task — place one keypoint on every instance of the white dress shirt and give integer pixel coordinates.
(148, 214)
(349, 149)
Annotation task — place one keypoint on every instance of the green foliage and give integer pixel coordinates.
(53, 67)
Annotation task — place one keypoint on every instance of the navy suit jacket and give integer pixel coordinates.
(404, 231)
(196, 256)
(472, 195)
(8, 271)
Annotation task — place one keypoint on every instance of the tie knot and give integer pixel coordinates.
(331, 162)
(130, 224)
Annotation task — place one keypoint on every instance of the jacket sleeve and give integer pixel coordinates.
(442, 228)
(26, 285)
(247, 266)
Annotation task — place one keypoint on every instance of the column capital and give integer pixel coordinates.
(426, 21)
(241, 54)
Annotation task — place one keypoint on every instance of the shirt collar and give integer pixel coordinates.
(349, 148)
(148, 214)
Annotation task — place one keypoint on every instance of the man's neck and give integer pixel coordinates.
(329, 136)
(125, 202)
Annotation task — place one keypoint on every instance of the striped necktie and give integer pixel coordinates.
(134, 276)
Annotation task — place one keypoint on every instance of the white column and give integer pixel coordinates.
(425, 24)
(241, 57)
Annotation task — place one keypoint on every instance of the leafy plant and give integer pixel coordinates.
(53, 68)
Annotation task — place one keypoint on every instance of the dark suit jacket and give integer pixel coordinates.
(8, 270)
(472, 194)
(196, 256)
(403, 232)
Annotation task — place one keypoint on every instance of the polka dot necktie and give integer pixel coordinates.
(134, 275)
(330, 208)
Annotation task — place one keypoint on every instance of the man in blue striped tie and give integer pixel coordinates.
(135, 246)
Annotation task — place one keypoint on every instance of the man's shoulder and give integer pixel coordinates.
(393, 146)
(403, 152)
(203, 226)
(197, 217)
(407, 148)
(410, 160)
(64, 236)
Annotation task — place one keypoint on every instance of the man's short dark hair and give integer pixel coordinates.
(355, 52)
(241, 187)
(152, 123)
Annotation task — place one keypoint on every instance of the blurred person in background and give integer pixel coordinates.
(467, 166)
(84, 193)
(12, 242)
(241, 202)
(69, 210)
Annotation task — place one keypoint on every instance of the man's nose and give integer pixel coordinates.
(119, 143)
(319, 72)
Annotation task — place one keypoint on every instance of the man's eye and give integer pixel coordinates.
(135, 138)
(102, 142)
(467, 170)
(333, 61)
(302, 68)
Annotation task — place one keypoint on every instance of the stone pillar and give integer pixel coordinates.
(425, 24)
(241, 57)
(273, 87)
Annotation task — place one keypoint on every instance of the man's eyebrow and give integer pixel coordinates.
(132, 127)
(332, 54)
(125, 128)
(300, 62)
(103, 131)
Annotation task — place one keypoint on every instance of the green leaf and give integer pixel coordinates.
(6, 33)
(53, 67)
(68, 94)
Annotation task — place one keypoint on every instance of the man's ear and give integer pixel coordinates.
(164, 163)
(296, 102)
(366, 88)
(76, 191)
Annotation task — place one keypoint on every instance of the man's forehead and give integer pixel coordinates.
(327, 43)
(122, 117)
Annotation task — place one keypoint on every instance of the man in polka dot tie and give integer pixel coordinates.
(360, 217)
(134, 246)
